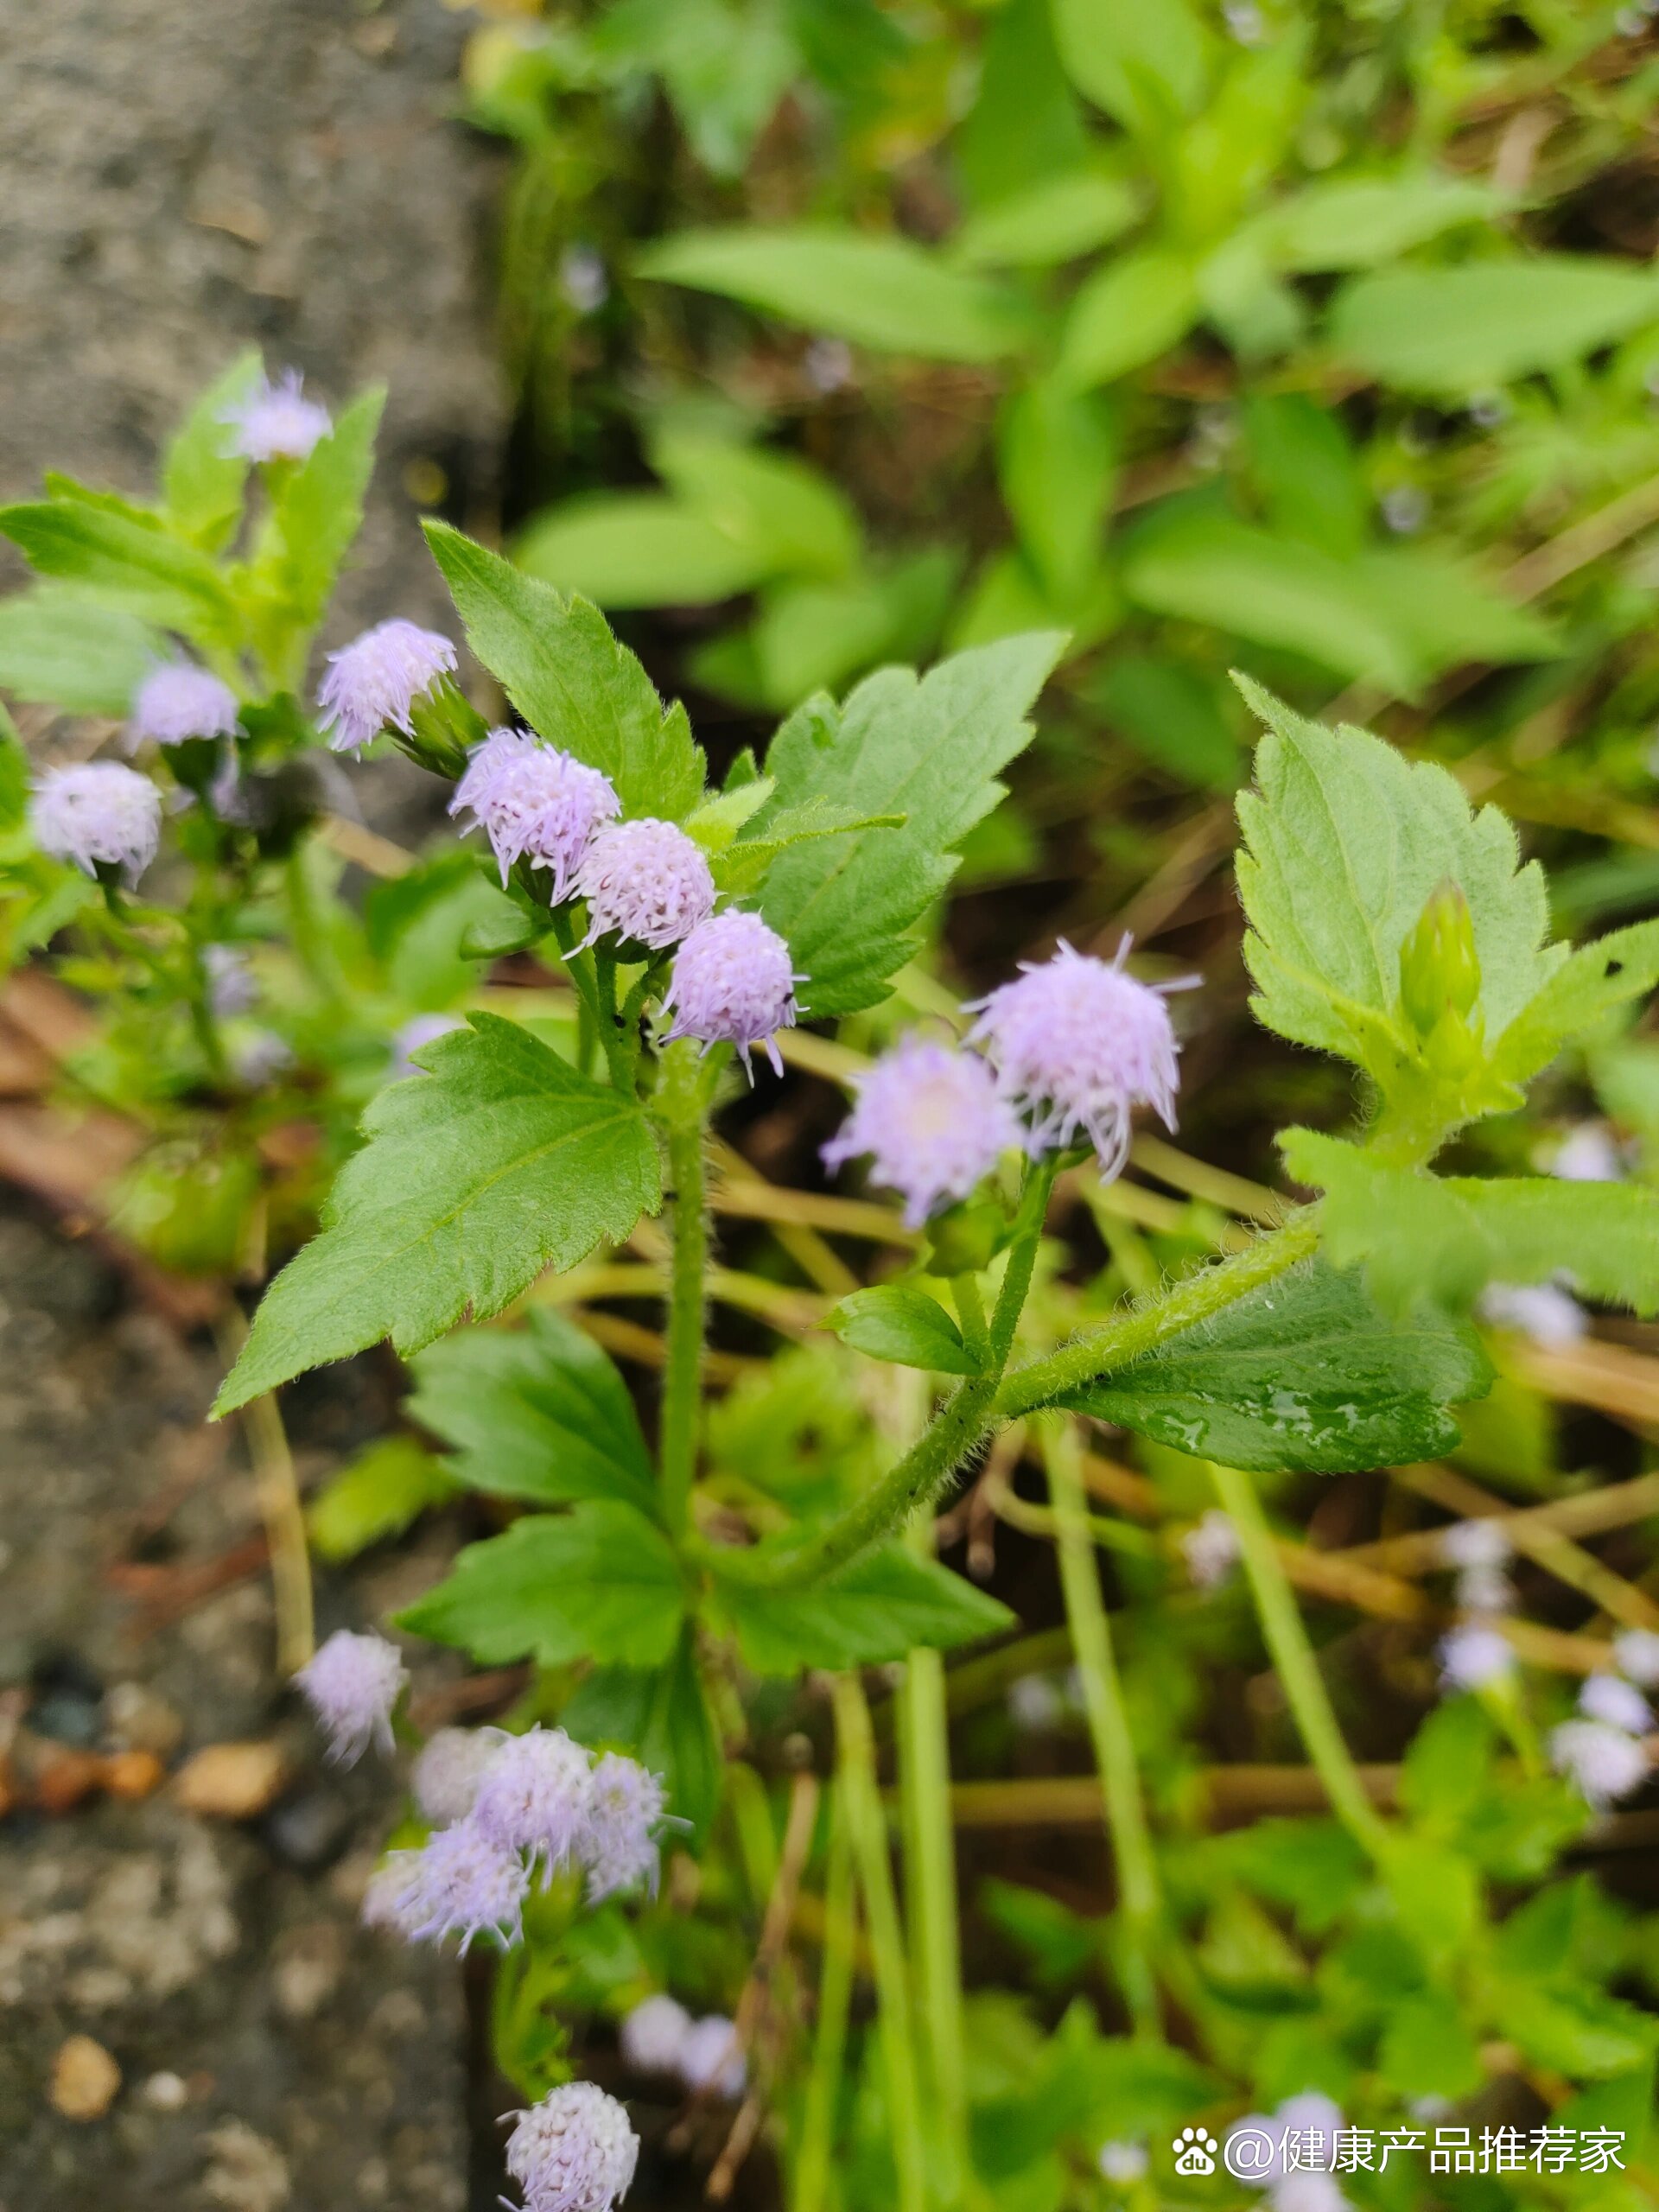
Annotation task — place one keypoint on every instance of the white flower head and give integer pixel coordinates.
(573, 2152)
(653, 2034)
(1619, 1703)
(1603, 1764)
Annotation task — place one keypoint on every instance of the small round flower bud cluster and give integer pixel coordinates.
(1480, 1551)
(276, 422)
(646, 882)
(732, 984)
(1302, 2135)
(351, 1686)
(1475, 1656)
(1210, 1549)
(97, 814)
(231, 987)
(374, 683)
(932, 1123)
(573, 2152)
(660, 2037)
(177, 701)
(534, 803)
(1078, 1045)
(1603, 1764)
(514, 1806)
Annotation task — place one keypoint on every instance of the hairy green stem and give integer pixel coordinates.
(680, 1104)
(1295, 1663)
(1195, 1299)
(977, 1405)
(970, 1311)
(811, 2182)
(1023, 1258)
(1108, 1726)
(868, 1832)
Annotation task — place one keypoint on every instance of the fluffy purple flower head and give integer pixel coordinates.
(648, 882)
(1078, 1045)
(352, 1685)
(1544, 1312)
(461, 1882)
(617, 1844)
(276, 422)
(732, 983)
(534, 802)
(711, 2057)
(1603, 1764)
(257, 1060)
(98, 814)
(931, 1121)
(534, 1796)
(573, 2152)
(1475, 1657)
(373, 683)
(1482, 1543)
(1619, 1703)
(653, 2035)
(177, 701)
(448, 1770)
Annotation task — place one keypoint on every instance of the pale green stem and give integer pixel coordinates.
(1297, 1667)
(810, 2192)
(931, 1908)
(1195, 1299)
(680, 1104)
(1108, 1726)
(868, 1833)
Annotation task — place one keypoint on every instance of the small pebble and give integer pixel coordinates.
(230, 1781)
(85, 2079)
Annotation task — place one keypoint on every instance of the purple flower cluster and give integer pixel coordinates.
(933, 1122)
(1078, 1045)
(660, 2037)
(98, 814)
(374, 683)
(1072, 1045)
(535, 803)
(178, 701)
(646, 882)
(573, 2152)
(276, 422)
(731, 981)
(514, 1806)
(352, 1685)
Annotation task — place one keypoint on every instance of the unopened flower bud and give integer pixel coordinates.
(573, 2152)
(276, 422)
(1440, 968)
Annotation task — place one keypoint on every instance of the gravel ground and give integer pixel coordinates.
(272, 2053)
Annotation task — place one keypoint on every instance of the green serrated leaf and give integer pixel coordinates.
(500, 1162)
(662, 1717)
(571, 680)
(1591, 983)
(717, 822)
(202, 479)
(1344, 842)
(898, 1322)
(1304, 1375)
(848, 905)
(539, 1412)
(136, 567)
(878, 1609)
(375, 1495)
(67, 651)
(600, 1582)
(742, 867)
(1422, 1235)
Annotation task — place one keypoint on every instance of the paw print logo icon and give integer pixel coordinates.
(1195, 2151)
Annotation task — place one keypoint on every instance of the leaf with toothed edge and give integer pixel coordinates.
(571, 679)
(499, 1163)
